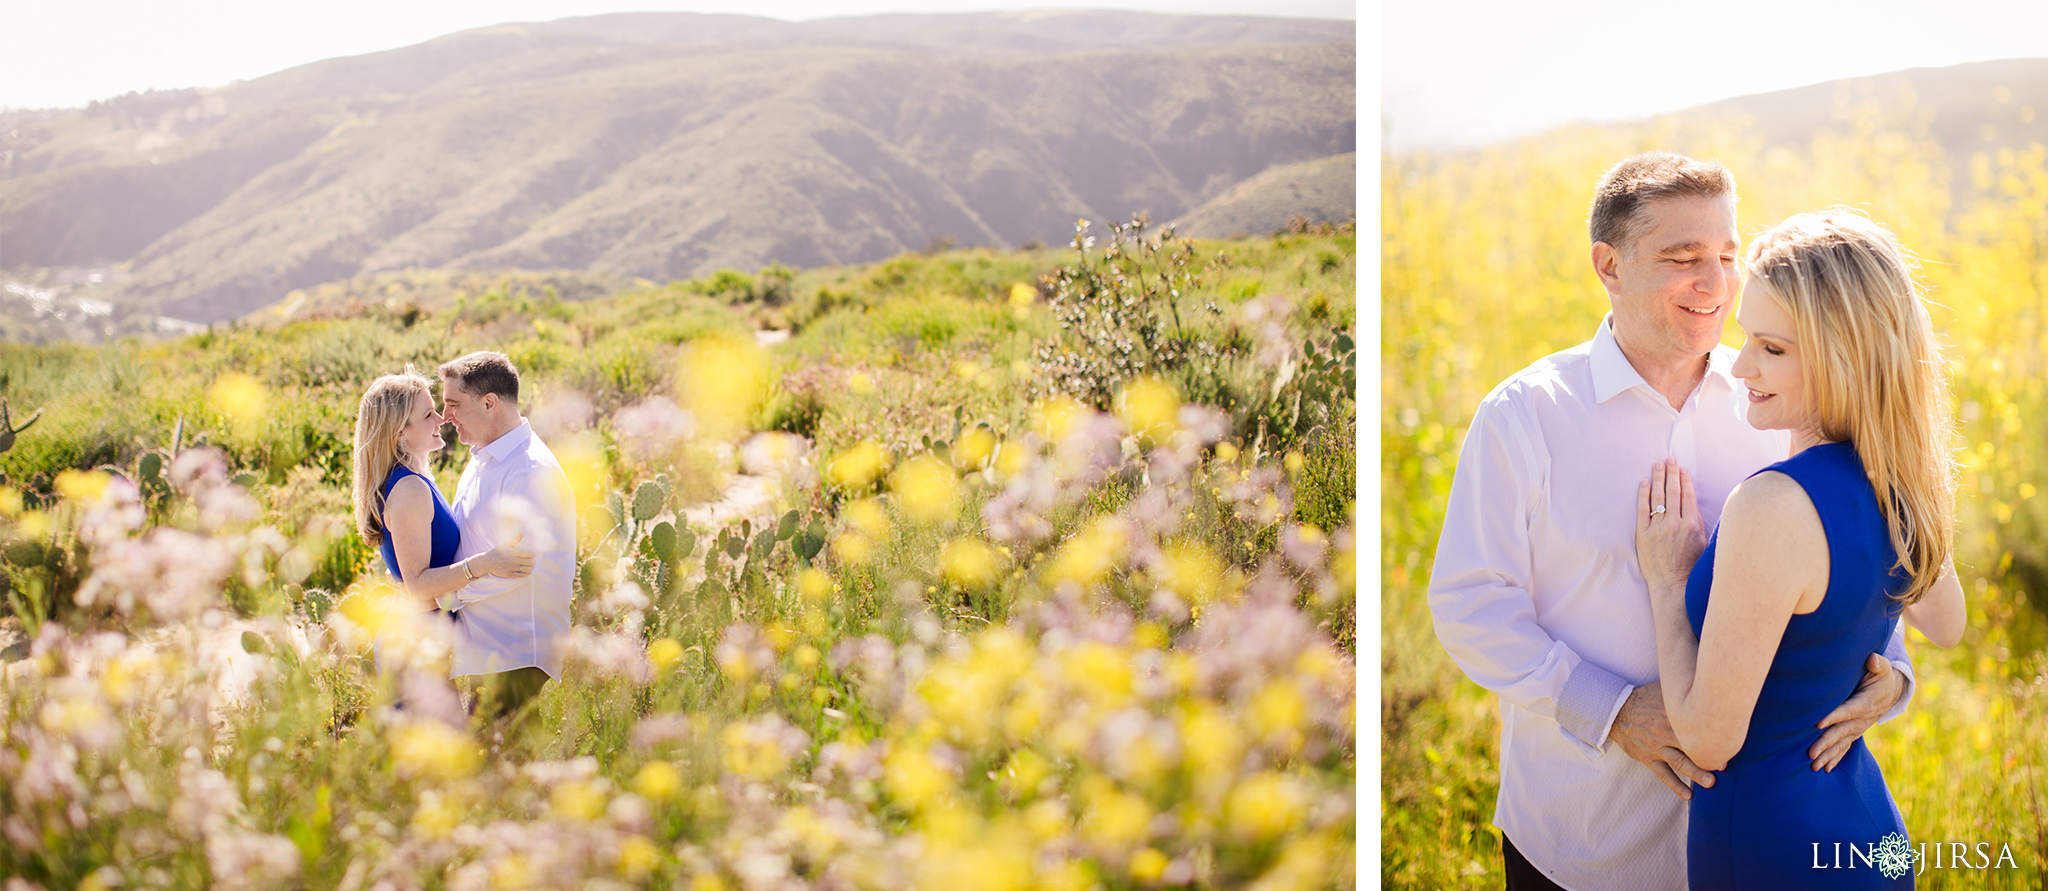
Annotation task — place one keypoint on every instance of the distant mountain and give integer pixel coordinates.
(1322, 191)
(666, 145)
(1979, 107)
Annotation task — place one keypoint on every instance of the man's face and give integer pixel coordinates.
(1673, 291)
(463, 410)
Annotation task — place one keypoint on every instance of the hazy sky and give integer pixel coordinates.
(68, 52)
(1469, 73)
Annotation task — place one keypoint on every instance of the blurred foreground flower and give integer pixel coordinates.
(857, 467)
(240, 399)
(926, 488)
(724, 380)
(1150, 408)
(82, 485)
(433, 750)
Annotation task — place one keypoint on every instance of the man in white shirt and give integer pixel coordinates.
(507, 631)
(1536, 592)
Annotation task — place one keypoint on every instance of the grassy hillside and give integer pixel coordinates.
(664, 147)
(994, 634)
(1320, 191)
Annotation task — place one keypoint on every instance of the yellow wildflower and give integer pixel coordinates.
(1148, 865)
(1089, 555)
(1048, 819)
(665, 653)
(1192, 572)
(240, 399)
(1266, 805)
(1150, 407)
(82, 485)
(725, 379)
(857, 466)
(1024, 773)
(1277, 713)
(577, 800)
(638, 857)
(914, 778)
(1058, 415)
(1113, 819)
(852, 548)
(583, 462)
(658, 781)
(814, 585)
(868, 516)
(1066, 875)
(433, 749)
(974, 448)
(969, 562)
(926, 488)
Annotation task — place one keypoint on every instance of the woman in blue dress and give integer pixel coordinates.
(1765, 628)
(398, 507)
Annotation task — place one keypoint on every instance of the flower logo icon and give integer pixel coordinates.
(1895, 856)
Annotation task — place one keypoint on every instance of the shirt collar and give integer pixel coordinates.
(1613, 375)
(505, 446)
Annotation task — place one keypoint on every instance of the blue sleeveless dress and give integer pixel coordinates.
(446, 535)
(1770, 820)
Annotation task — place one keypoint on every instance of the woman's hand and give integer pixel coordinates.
(1669, 532)
(506, 561)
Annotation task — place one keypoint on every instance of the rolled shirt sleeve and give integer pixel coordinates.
(1895, 653)
(1479, 591)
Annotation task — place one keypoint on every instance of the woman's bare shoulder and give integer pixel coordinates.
(1771, 516)
(407, 495)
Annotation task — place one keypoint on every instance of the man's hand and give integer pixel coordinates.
(1643, 732)
(1874, 697)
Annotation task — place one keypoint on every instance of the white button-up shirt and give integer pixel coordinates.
(1537, 595)
(515, 485)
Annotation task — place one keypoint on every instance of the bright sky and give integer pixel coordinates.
(1460, 74)
(62, 53)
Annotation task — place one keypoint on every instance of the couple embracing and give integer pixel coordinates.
(1684, 568)
(498, 561)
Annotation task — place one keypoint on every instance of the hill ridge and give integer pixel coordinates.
(554, 145)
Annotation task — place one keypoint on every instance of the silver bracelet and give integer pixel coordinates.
(465, 570)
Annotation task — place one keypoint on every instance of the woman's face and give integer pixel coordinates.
(422, 433)
(1770, 364)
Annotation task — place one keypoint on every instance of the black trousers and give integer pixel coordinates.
(1523, 875)
(499, 695)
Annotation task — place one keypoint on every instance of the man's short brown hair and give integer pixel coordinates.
(482, 373)
(1629, 186)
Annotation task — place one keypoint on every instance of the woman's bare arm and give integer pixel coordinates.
(1940, 613)
(409, 520)
(1765, 565)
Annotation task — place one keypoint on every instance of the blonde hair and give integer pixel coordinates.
(1873, 372)
(386, 408)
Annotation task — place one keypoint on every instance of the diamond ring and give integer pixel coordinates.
(1659, 510)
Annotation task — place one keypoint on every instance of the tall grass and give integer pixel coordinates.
(987, 639)
(1485, 269)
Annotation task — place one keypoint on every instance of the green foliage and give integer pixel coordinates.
(1120, 312)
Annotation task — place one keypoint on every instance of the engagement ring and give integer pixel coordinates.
(1659, 510)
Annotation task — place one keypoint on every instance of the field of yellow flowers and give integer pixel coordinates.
(1060, 644)
(1485, 269)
